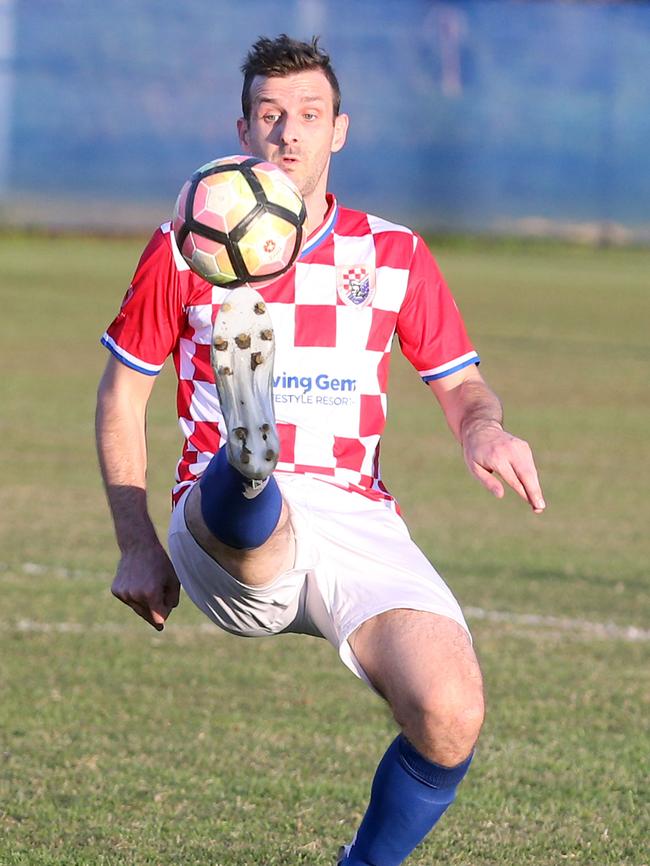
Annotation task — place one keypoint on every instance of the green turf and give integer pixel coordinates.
(122, 746)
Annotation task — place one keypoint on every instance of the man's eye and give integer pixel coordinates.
(270, 118)
(310, 115)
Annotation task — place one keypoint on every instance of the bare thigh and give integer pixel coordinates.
(425, 667)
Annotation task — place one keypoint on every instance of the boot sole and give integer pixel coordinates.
(242, 352)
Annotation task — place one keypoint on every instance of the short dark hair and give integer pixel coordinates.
(284, 56)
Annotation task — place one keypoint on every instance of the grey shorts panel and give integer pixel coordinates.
(354, 560)
(281, 606)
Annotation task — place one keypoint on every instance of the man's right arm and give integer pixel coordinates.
(145, 578)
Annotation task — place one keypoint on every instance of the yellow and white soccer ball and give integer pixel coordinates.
(239, 220)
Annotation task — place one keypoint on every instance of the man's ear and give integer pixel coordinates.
(242, 132)
(341, 124)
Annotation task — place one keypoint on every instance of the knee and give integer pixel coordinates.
(445, 724)
(464, 720)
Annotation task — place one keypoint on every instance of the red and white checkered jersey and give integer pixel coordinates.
(359, 281)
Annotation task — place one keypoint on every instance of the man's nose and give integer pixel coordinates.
(289, 130)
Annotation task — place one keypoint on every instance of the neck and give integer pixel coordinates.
(316, 205)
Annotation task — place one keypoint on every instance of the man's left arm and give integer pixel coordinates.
(475, 417)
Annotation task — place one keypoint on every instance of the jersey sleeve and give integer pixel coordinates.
(430, 327)
(147, 327)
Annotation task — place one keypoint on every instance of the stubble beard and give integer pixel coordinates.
(309, 183)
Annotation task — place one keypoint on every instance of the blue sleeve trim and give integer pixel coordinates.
(475, 360)
(126, 363)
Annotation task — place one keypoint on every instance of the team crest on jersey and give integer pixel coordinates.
(355, 284)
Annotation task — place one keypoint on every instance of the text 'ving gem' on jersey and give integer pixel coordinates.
(322, 388)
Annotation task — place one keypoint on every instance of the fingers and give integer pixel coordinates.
(148, 610)
(147, 583)
(488, 480)
(512, 459)
(152, 604)
(171, 594)
(527, 477)
(512, 479)
(148, 615)
(524, 476)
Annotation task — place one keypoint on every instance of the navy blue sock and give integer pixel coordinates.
(237, 520)
(409, 794)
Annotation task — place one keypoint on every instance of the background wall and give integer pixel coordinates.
(485, 114)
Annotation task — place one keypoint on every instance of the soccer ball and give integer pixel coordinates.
(239, 220)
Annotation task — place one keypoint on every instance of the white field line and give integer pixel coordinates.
(604, 630)
(38, 627)
(532, 621)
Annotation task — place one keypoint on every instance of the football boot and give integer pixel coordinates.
(242, 351)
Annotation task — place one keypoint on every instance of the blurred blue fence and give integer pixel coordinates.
(484, 114)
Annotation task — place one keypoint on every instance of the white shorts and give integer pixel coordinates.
(354, 560)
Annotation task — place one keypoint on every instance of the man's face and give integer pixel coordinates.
(292, 125)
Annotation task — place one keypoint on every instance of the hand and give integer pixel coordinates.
(146, 581)
(488, 448)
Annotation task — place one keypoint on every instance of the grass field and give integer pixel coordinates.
(123, 746)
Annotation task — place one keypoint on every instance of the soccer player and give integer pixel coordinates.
(314, 544)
